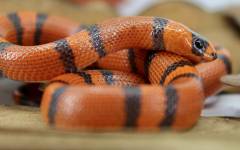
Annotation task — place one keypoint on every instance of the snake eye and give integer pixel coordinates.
(199, 44)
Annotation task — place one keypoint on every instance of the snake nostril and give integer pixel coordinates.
(214, 55)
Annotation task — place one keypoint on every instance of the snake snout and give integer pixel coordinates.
(209, 57)
(214, 56)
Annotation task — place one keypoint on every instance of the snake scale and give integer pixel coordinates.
(122, 56)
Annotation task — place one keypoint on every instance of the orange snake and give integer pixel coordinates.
(132, 51)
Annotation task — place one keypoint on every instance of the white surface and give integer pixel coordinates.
(215, 5)
(135, 7)
(223, 105)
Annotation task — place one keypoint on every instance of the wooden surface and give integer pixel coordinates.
(232, 80)
(22, 128)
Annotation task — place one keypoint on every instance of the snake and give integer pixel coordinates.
(126, 72)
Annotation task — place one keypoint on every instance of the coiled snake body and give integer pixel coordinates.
(164, 52)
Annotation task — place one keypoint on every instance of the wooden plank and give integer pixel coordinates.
(22, 128)
(232, 80)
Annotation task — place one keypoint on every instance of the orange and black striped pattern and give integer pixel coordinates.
(126, 53)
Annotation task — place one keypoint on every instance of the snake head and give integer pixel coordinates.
(181, 40)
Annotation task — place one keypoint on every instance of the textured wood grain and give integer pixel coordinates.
(232, 80)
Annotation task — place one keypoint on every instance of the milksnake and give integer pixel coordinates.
(140, 72)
